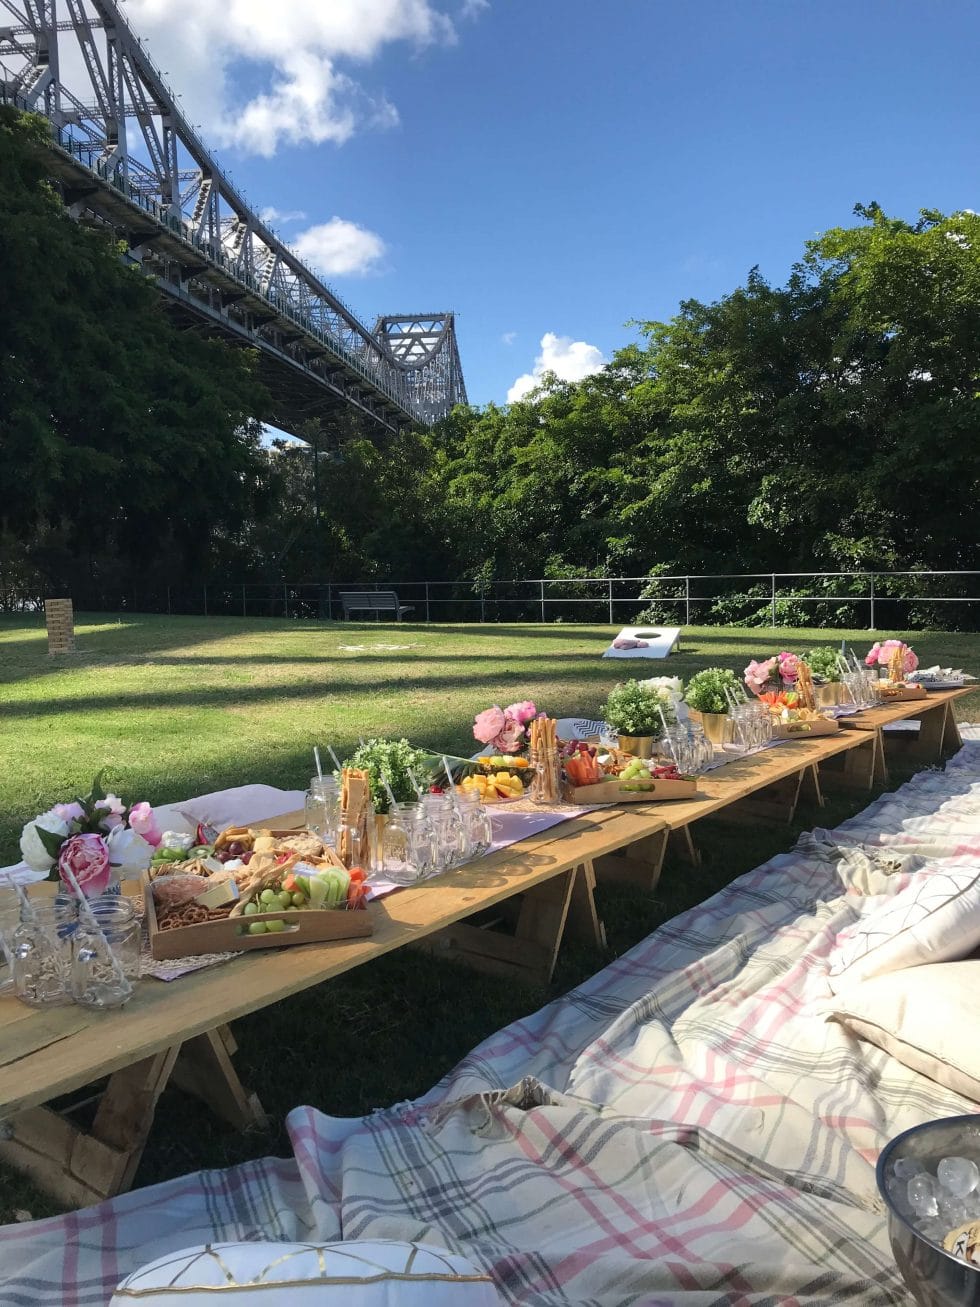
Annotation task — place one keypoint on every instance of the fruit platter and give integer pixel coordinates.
(596, 775)
(498, 779)
(250, 888)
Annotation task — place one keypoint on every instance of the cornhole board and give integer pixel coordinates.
(661, 641)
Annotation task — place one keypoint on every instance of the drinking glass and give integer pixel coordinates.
(9, 921)
(476, 823)
(42, 953)
(398, 861)
(106, 956)
(450, 838)
(322, 807)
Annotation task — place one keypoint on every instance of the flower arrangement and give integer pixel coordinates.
(824, 663)
(882, 651)
(96, 840)
(639, 709)
(773, 673)
(504, 729)
(394, 761)
(705, 691)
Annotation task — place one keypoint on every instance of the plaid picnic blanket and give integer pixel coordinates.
(685, 1127)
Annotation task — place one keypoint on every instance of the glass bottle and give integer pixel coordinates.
(100, 978)
(41, 950)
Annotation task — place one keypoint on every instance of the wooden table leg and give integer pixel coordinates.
(860, 768)
(80, 1168)
(204, 1069)
(776, 802)
(682, 843)
(583, 921)
(638, 864)
(530, 953)
(930, 743)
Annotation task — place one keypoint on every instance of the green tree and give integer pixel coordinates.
(128, 447)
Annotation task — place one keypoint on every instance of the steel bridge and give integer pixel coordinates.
(125, 156)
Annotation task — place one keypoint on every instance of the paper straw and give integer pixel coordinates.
(391, 798)
(415, 784)
(336, 760)
(663, 718)
(316, 759)
(449, 774)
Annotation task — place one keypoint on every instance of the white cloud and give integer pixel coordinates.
(509, 337)
(340, 248)
(271, 215)
(571, 360)
(294, 48)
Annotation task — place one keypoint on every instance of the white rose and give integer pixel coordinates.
(128, 851)
(31, 844)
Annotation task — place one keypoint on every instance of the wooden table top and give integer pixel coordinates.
(871, 719)
(46, 1052)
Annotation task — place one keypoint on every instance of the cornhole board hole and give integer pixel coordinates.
(659, 641)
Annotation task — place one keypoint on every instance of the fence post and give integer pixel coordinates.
(541, 583)
(205, 601)
(483, 605)
(610, 602)
(773, 599)
(428, 618)
(244, 608)
(687, 601)
(285, 600)
(168, 601)
(329, 602)
(871, 596)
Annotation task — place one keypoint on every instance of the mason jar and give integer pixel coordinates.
(106, 954)
(41, 952)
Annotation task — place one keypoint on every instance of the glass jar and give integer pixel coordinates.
(399, 861)
(476, 823)
(322, 807)
(101, 978)
(9, 921)
(450, 838)
(42, 951)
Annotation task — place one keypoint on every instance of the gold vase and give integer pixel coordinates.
(717, 726)
(640, 746)
(829, 695)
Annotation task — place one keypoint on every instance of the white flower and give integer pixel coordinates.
(31, 844)
(671, 683)
(128, 851)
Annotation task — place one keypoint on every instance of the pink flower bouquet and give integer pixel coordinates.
(880, 655)
(91, 842)
(504, 729)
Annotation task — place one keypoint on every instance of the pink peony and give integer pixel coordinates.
(789, 668)
(873, 652)
(69, 812)
(489, 724)
(881, 653)
(86, 858)
(143, 822)
(758, 675)
(114, 808)
(510, 738)
(911, 659)
(521, 712)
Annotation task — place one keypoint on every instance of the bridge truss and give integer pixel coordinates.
(125, 156)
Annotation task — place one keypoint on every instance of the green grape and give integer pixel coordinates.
(258, 927)
(299, 900)
(285, 899)
(251, 908)
(273, 927)
(269, 896)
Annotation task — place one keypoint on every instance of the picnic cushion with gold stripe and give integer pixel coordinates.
(369, 1273)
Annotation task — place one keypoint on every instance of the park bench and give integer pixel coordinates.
(373, 601)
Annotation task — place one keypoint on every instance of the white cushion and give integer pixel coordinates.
(925, 1018)
(366, 1273)
(934, 919)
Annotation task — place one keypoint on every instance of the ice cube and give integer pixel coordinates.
(906, 1167)
(934, 1228)
(958, 1176)
(922, 1195)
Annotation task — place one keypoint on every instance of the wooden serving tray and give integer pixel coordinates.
(806, 730)
(611, 792)
(306, 926)
(904, 695)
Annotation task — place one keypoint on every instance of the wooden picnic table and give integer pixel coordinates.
(938, 733)
(538, 889)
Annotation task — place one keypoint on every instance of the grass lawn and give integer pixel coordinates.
(178, 706)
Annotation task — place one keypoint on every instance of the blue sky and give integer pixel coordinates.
(556, 167)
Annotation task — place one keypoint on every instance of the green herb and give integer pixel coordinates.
(391, 761)
(705, 690)
(634, 709)
(822, 662)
